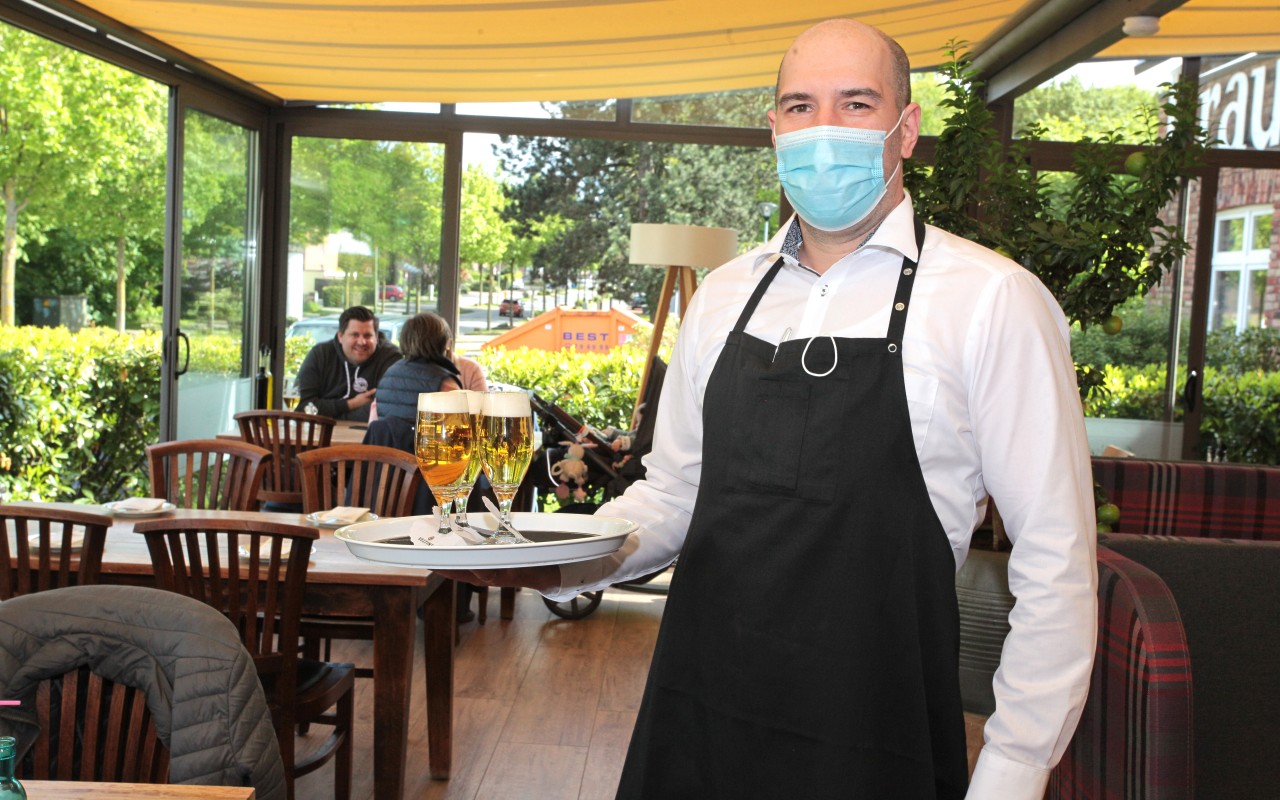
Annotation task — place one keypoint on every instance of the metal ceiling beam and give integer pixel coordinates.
(1055, 36)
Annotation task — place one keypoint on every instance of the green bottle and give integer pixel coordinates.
(10, 787)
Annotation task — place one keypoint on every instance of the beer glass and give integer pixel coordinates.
(444, 443)
(505, 448)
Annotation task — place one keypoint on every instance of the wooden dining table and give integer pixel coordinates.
(87, 790)
(339, 585)
(345, 431)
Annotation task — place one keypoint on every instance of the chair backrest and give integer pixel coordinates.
(51, 548)
(96, 730)
(219, 474)
(382, 479)
(72, 659)
(285, 434)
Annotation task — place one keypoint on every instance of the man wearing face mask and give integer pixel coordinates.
(840, 405)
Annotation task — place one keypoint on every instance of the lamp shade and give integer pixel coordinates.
(682, 245)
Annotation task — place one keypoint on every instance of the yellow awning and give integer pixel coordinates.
(513, 50)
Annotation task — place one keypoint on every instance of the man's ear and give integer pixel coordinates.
(910, 128)
(772, 116)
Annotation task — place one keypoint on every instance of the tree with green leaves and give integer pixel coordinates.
(65, 119)
(601, 187)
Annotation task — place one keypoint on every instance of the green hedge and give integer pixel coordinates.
(77, 412)
(598, 389)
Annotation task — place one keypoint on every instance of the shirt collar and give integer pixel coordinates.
(895, 234)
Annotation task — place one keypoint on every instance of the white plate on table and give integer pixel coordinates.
(115, 510)
(591, 537)
(319, 519)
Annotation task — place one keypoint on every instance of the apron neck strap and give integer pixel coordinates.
(906, 279)
(750, 308)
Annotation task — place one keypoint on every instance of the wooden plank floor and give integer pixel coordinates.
(543, 707)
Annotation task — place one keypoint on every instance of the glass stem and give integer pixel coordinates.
(446, 511)
(461, 505)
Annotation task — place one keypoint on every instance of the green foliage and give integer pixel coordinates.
(598, 389)
(81, 150)
(1252, 350)
(1095, 242)
(1241, 416)
(1144, 340)
(76, 413)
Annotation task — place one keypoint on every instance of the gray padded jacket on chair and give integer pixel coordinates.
(201, 684)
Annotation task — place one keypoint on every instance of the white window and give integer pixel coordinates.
(1241, 251)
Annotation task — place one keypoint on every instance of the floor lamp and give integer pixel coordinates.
(680, 249)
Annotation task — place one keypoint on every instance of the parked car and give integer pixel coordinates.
(510, 307)
(392, 292)
(322, 329)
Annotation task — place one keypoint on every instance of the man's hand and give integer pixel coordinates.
(539, 578)
(362, 399)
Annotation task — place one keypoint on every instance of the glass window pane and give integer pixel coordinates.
(1230, 235)
(744, 108)
(1262, 232)
(1094, 98)
(219, 272)
(1257, 296)
(1225, 300)
(581, 109)
(364, 229)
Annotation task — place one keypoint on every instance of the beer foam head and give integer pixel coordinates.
(506, 404)
(475, 400)
(443, 402)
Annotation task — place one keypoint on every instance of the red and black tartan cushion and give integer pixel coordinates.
(1192, 498)
(1134, 737)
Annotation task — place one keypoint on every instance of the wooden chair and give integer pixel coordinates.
(382, 479)
(285, 434)
(208, 473)
(85, 712)
(98, 730)
(44, 553)
(239, 567)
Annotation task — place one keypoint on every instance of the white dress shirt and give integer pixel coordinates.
(994, 411)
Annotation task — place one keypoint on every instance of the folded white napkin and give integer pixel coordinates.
(424, 532)
(345, 514)
(140, 504)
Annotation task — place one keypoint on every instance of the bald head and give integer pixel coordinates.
(850, 36)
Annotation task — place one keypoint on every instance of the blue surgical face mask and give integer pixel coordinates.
(834, 176)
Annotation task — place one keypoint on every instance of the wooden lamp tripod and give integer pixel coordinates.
(680, 249)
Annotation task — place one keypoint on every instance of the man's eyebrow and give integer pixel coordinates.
(860, 91)
(794, 96)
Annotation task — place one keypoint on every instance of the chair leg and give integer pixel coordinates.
(311, 650)
(482, 603)
(342, 759)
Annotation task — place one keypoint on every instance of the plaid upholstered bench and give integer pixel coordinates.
(1183, 703)
(1192, 498)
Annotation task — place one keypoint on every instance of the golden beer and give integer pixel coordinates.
(506, 448)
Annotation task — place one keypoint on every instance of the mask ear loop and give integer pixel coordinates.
(835, 351)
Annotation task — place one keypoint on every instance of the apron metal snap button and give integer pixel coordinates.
(899, 306)
(893, 348)
(907, 271)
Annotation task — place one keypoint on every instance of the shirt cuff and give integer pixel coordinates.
(998, 778)
(576, 575)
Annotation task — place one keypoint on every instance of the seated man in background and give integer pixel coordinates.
(338, 378)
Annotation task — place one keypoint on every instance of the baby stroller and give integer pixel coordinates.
(578, 464)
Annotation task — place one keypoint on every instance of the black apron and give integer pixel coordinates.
(810, 642)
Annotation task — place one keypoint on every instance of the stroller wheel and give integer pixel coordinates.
(578, 607)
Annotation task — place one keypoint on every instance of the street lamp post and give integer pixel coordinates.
(766, 211)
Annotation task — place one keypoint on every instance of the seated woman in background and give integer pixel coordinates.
(424, 341)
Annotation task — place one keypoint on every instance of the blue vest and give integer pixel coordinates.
(399, 387)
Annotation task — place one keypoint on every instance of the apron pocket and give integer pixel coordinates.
(769, 437)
